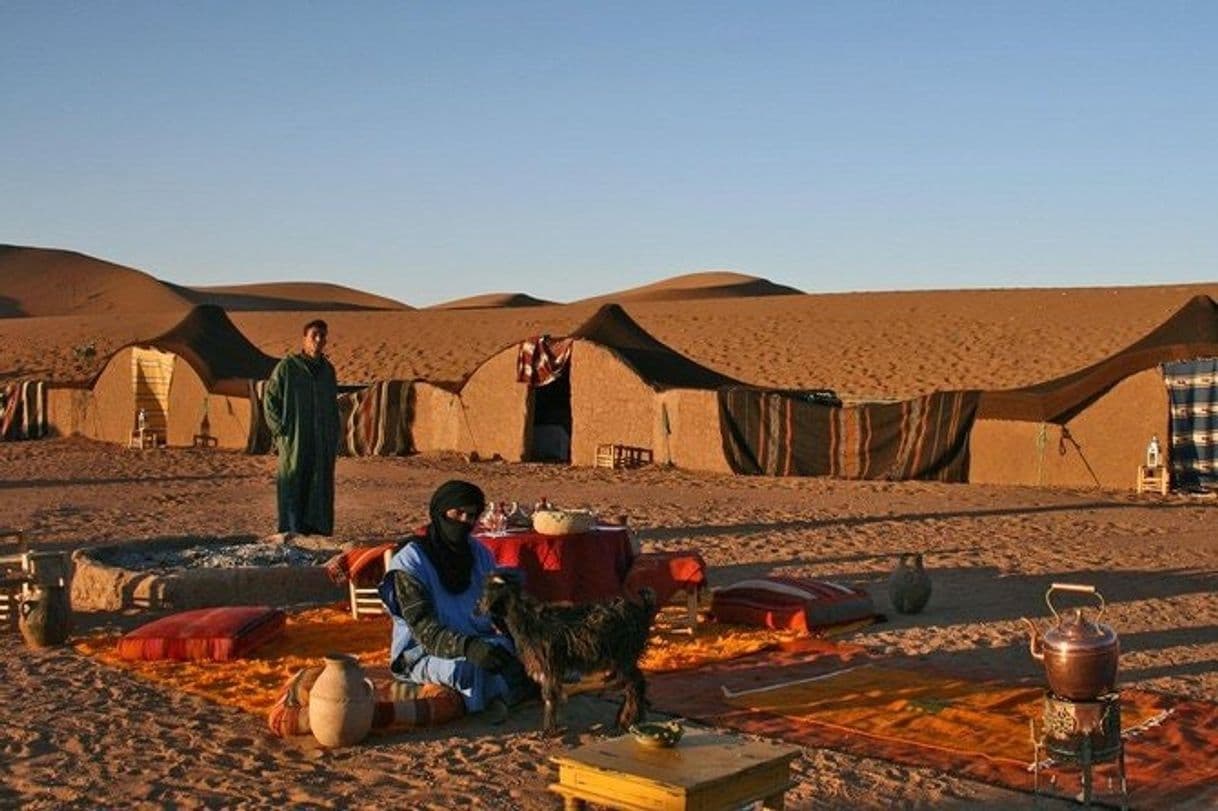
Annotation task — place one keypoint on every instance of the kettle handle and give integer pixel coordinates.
(1073, 587)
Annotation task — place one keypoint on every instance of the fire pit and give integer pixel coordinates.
(184, 573)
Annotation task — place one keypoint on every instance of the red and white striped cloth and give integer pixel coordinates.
(542, 359)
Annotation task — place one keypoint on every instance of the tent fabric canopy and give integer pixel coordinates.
(1189, 333)
(213, 346)
(656, 363)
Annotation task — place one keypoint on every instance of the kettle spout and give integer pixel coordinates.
(1035, 642)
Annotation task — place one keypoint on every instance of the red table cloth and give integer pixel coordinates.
(584, 568)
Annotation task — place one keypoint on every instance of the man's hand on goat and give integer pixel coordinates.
(487, 655)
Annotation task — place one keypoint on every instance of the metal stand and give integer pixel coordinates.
(1082, 733)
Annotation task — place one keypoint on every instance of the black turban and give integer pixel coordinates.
(447, 543)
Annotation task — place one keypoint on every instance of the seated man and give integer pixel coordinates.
(431, 588)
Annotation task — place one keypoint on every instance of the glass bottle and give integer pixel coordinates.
(1152, 452)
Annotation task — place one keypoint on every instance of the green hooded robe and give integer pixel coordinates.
(301, 407)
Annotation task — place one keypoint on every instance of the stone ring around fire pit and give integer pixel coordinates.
(183, 573)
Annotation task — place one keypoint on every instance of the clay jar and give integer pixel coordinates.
(341, 703)
(909, 587)
(46, 616)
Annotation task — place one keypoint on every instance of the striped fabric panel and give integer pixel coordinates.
(377, 420)
(777, 433)
(24, 411)
(1192, 388)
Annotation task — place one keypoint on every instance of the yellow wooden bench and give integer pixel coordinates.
(622, 456)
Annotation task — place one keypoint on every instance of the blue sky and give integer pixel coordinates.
(430, 151)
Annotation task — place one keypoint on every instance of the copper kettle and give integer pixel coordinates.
(1080, 655)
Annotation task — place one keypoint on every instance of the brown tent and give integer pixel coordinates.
(196, 378)
(1090, 428)
(620, 386)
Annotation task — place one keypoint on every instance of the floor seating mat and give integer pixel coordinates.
(218, 634)
(906, 712)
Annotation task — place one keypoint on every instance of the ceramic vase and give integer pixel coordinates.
(341, 703)
(46, 616)
(909, 587)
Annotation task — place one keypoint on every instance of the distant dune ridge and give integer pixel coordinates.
(290, 296)
(47, 282)
(487, 300)
(707, 284)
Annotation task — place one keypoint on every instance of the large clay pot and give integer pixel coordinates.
(909, 587)
(46, 616)
(341, 703)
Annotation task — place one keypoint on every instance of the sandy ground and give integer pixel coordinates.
(76, 734)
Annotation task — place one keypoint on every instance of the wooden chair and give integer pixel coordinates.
(13, 578)
(366, 600)
(146, 438)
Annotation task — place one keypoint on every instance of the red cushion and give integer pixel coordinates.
(666, 573)
(788, 603)
(218, 634)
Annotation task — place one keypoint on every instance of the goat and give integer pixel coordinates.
(552, 640)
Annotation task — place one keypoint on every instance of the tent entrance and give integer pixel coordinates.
(551, 434)
(151, 374)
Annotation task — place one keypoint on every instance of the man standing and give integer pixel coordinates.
(301, 407)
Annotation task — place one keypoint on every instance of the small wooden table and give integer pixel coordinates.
(707, 770)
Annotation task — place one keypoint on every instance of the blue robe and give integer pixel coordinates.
(456, 613)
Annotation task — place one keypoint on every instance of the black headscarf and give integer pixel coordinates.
(447, 543)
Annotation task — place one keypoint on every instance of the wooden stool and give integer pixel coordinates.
(706, 770)
(1152, 479)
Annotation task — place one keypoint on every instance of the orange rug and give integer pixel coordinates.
(253, 684)
(985, 719)
(839, 698)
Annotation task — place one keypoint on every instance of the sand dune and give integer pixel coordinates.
(48, 282)
(43, 281)
(708, 284)
(488, 300)
(289, 296)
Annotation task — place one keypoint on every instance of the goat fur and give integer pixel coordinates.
(552, 640)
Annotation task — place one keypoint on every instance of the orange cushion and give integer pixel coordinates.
(216, 634)
(666, 573)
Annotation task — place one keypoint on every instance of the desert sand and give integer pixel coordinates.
(74, 733)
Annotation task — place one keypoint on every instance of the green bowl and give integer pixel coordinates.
(658, 735)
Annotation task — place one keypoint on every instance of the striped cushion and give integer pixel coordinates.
(399, 705)
(788, 603)
(216, 634)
